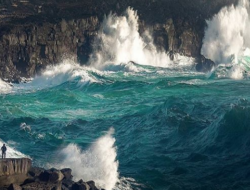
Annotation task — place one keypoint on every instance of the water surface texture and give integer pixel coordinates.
(134, 119)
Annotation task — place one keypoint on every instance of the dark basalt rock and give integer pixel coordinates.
(67, 173)
(204, 64)
(18, 174)
(53, 175)
(67, 183)
(34, 34)
(80, 186)
(35, 171)
(92, 185)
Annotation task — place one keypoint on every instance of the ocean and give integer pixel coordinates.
(134, 119)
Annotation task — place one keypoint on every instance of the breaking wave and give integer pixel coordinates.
(227, 39)
(4, 87)
(119, 42)
(98, 163)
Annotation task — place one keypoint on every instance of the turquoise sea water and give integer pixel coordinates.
(171, 128)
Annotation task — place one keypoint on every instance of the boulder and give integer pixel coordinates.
(35, 171)
(67, 173)
(67, 183)
(52, 175)
(80, 186)
(92, 185)
(204, 64)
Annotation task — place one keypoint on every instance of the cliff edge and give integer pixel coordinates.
(34, 34)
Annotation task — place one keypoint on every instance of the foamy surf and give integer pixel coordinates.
(227, 41)
(5, 87)
(119, 41)
(11, 152)
(97, 163)
(55, 75)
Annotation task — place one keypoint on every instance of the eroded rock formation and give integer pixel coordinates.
(36, 33)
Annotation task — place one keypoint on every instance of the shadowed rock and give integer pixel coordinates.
(38, 33)
(18, 174)
(14, 170)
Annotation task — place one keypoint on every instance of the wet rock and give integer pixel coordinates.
(67, 173)
(18, 174)
(37, 33)
(35, 171)
(204, 64)
(52, 175)
(92, 185)
(67, 183)
(80, 186)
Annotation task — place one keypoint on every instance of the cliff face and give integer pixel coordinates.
(36, 33)
(24, 50)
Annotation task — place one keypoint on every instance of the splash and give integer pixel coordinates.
(11, 152)
(5, 87)
(119, 42)
(226, 37)
(98, 163)
(55, 75)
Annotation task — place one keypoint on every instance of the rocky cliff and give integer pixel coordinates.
(36, 33)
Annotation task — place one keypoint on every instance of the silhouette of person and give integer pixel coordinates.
(4, 149)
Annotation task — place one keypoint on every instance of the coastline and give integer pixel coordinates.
(19, 174)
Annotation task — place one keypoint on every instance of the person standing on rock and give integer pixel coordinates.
(4, 149)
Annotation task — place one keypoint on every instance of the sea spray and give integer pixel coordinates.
(227, 33)
(98, 163)
(55, 75)
(119, 41)
(5, 87)
(11, 152)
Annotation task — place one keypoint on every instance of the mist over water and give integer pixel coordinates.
(98, 163)
(227, 33)
(119, 42)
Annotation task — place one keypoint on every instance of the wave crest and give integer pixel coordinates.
(98, 163)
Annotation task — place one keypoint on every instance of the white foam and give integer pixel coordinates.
(236, 73)
(98, 163)
(5, 87)
(55, 75)
(227, 34)
(11, 152)
(119, 42)
(25, 127)
(127, 183)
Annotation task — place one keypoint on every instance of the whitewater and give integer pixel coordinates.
(133, 118)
